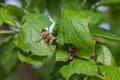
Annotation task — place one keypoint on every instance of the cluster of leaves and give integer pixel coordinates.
(77, 24)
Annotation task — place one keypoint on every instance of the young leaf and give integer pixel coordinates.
(104, 34)
(80, 67)
(31, 32)
(4, 16)
(73, 28)
(104, 55)
(110, 72)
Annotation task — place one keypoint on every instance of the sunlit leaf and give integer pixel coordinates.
(73, 28)
(62, 56)
(31, 32)
(62, 53)
(80, 67)
(104, 55)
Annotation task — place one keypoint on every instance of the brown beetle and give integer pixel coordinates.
(47, 37)
(71, 51)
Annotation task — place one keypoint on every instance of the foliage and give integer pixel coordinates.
(80, 50)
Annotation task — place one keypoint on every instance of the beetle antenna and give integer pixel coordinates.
(39, 40)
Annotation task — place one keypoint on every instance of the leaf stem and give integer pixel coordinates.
(83, 3)
(6, 32)
(86, 77)
(101, 77)
(13, 24)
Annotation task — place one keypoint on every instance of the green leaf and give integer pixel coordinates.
(104, 55)
(110, 72)
(53, 7)
(80, 67)
(2, 73)
(31, 32)
(8, 58)
(23, 3)
(104, 34)
(110, 2)
(46, 69)
(5, 41)
(31, 4)
(73, 28)
(4, 16)
(30, 59)
(11, 63)
(4, 55)
(6, 49)
(70, 5)
(96, 17)
(15, 11)
(61, 55)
